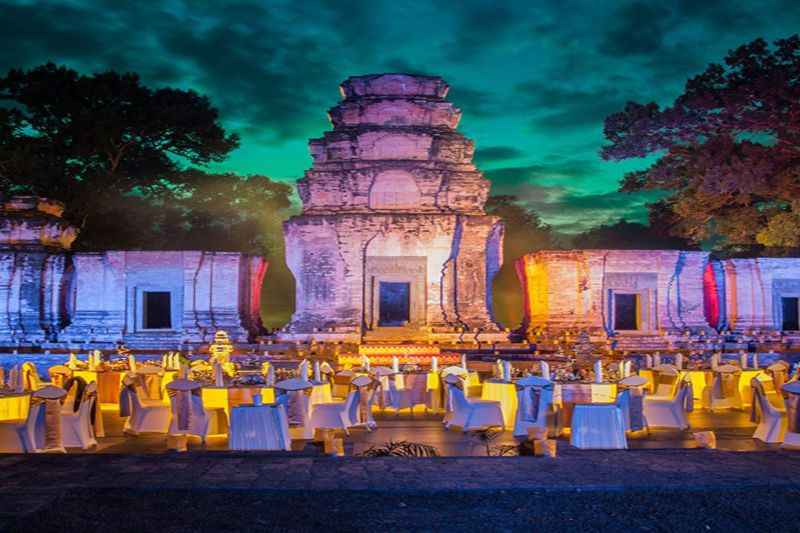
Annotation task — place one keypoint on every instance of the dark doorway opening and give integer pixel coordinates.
(156, 310)
(393, 304)
(626, 312)
(789, 314)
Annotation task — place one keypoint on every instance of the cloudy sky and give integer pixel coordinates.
(534, 78)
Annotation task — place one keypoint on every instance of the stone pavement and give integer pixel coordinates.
(29, 481)
(306, 491)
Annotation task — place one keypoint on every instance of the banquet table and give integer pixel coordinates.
(108, 383)
(570, 395)
(598, 426)
(704, 377)
(425, 387)
(566, 394)
(259, 427)
(14, 405)
(229, 397)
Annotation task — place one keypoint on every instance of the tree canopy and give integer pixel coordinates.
(624, 235)
(524, 233)
(728, 150)
(131, 164)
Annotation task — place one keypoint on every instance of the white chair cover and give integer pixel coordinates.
(772, 422)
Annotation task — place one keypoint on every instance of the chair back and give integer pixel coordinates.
(75, 387)
(458, 400)
(351, 404)
(30, 376)
(59, 374)
(534, 402)
(726, 381)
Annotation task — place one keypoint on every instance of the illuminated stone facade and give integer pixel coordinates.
(636, 295)
(52, 297)
(661, 291)
(393, 202)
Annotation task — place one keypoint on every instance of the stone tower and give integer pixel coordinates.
(393, 242)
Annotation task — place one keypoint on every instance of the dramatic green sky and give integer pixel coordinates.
(534, 79)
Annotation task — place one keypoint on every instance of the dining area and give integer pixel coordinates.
(124, 403)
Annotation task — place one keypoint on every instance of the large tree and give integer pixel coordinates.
(728, 150)
(131, 165)
(524, 233)
(624, 235)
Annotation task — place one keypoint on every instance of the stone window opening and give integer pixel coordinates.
(156, 310)
(790, 317)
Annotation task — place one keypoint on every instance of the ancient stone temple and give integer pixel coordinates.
(654, 298)
(393, 242)
(52, 297)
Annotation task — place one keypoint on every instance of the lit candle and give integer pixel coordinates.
(598, 372)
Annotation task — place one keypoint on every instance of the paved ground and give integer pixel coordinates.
(676, 490)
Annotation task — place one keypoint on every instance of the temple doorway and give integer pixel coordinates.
(789, 313)
(394, 307)
(626, 312)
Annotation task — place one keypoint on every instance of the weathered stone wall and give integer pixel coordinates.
(209, 291)
(573, 290)
(392, 195)
(34, 245)
(50, 296)
(751, 290)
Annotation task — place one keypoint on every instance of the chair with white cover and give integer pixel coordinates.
(188, 415)
(30, 377)
(671, 413)
(772, 421)
(47, 429)
(473, 414)
(145, 417)
(665, 381)
(779, 372)
(535, 407)
(723, 393)
(59, 374)
(19, 436)
(630, 398)
(337, 415)
(792, 437)
(77, 430)
(403, 398)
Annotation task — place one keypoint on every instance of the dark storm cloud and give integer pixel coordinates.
(497, 153)
(637, 28)
(560, 107)
(553, 168)
(248, 56)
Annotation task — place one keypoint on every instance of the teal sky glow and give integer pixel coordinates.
(534, 79)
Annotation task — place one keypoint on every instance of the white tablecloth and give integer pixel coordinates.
(262, 427)
(598, 426)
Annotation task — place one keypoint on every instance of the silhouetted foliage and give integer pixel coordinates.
(729, 149)
(128, 161)
(624, 235)
(401, 448)
(524, 233)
